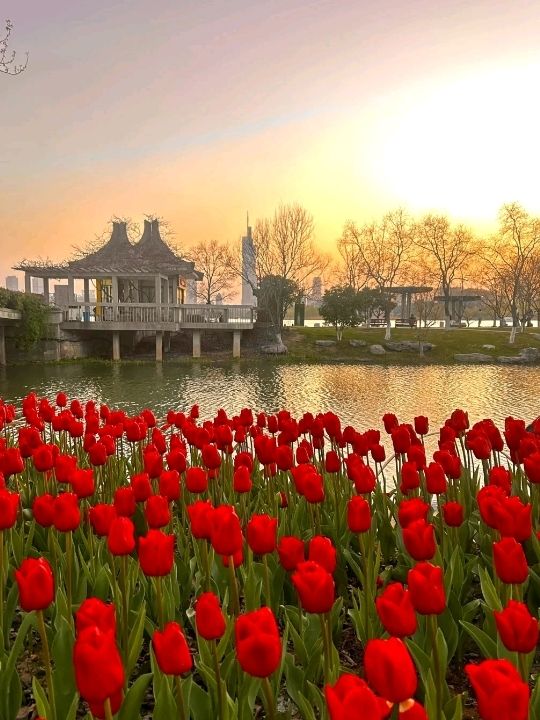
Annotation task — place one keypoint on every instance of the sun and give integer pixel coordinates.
(464, 147)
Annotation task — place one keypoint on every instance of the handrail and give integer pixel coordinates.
(148, 313)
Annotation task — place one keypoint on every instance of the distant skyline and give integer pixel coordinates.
(199, 111)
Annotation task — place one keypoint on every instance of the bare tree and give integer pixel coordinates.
(510, 253)
(450, 250)
(216, 261)
(8, 66)
(285, 253)
(383, 251)
(350, 271)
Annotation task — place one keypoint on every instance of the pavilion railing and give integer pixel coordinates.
(149, 313)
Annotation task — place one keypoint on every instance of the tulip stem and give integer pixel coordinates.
(522, 662)
(269, 699)
(326, 649)
(206, 564)
(179, 698)
(395, 711)
(47, 661)
(219, 682)
(123, 592)
(267, 582)
(159, 599)
(69, 562)
(234, 588)
(432, 626)
(2, 589)
(108, 709)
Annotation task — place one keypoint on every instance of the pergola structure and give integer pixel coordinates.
(457, 303)
(407, 292)
(139, 287)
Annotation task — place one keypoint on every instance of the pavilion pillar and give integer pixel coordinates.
(166, 341)
(408, 305)
(116, 345)
(2, 345)
(403, 306)
(237, 335)
(86, 295)
(114, 293)
(46, 292)
(159, 346)
(71, 289)
(27, 283)
(196, 343)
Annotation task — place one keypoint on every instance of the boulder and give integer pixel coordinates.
(511, 360)
(473, 358)
(407, 346)
(357, 343)
(530, 354)
(325, 343)
(377, 350)
(488, 347)
(275, 349)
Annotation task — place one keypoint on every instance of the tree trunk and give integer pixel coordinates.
(513, 332)
(388, 333)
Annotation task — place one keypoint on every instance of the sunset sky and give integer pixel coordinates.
(198, 111)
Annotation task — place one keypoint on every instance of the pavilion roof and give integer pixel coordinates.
(118, 256)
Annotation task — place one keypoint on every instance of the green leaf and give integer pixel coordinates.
(8, 670)
(165, 707)
(63, 676)
(488, 590)
(482, 639)
(40, 697)
(136, 640)
(131, 707)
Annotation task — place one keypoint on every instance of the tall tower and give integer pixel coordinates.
(249, 275)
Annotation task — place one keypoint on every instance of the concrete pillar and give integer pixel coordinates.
(71, 289)
(2, 345)
(196, 343)
(158, 289)
(237, 335)
(116, 346)
(159, 346)
(27, 283)
(167, 341)
(403, 305)
(46, 293)
(86, 295)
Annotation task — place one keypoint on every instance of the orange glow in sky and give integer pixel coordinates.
(199, 111)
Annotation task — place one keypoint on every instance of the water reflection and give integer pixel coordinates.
(360, 394)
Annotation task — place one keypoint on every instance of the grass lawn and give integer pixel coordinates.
(301, 345)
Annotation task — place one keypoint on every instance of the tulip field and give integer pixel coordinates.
(266, 566)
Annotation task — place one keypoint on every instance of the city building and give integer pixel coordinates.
(37, 286)
(249, 274)
(12, 283)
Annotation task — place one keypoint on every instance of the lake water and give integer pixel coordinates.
(359, 394)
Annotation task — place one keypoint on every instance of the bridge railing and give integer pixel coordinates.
(148, 313)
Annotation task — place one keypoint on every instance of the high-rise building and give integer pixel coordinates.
(191, 292)
(37, 286)
(249, 274)
(316, 290)
(12, 283)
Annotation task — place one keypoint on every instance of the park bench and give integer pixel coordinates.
(377, 322)
(405, 322)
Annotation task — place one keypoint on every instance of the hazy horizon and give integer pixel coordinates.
(199, 112)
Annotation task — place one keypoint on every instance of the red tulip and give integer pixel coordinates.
(500, 691)
(350, 698)
(82, 482)
(209, 617)
(510, 561)
(171, 650)
(43, 510)
(291, 552)
(225, 532)
(9, 507)
(435, 478)
(258, 645)
(322, 551)
(419, 540)
(157, 511)
(141, 486)
(197, 479)
(517, 627)
(67, 516)
(390, 670)
(93, 612)
(169, 485)
(261, 534)
(200, 514)
(396, 611)
(101, 517)
(99, 672)
(36, 584)
(411, 510)
(156, 553)
(358, 515)
(121, 540)
(315, 587)
(453, 514)
(426, 586)
(421, 425)
(242, 482)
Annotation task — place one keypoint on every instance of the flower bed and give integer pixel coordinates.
(266, 566)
